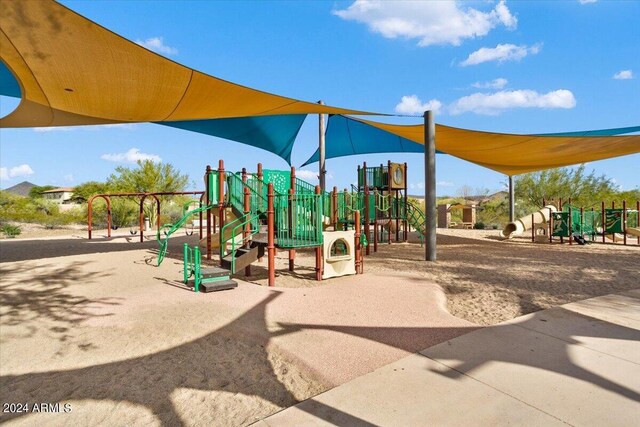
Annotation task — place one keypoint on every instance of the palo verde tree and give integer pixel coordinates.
(148, 177)
(584, 189)
(37, 191)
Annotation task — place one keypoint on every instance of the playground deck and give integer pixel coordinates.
(98, 325)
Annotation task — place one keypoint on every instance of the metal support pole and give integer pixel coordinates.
(512, 200)
(430, 185)
(321, 151)
(292, 215)
(319, 258)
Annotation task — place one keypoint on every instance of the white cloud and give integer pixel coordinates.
(16, 171)
(431, 22)
(445, 184)
(411, 104)
(308, 175)
(417, 186)
(131, 156)
(156, 44)
(501, 53)
(68, 178)
(126, 126)
(587, 1)
(496, 103)
(54, 129)
(498, 83)
(623, 75)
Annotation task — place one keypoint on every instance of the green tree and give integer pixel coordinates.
(36, 192)
(586, 190)
(148, 177)
(83, 192)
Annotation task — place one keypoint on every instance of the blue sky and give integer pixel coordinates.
(518, 67)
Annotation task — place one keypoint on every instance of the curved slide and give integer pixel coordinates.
(633, 231)
(525, 223)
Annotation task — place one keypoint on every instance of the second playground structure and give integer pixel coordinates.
(576, 223)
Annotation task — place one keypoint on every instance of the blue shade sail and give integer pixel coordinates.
(346, 137)
(8, 84)
(272, 133)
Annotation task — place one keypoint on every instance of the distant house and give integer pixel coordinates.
(59, 195)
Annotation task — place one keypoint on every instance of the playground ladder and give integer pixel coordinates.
(209, 279)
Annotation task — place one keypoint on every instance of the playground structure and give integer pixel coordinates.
(258, 213)
(249, 215)
(575, 223)
(468, 215)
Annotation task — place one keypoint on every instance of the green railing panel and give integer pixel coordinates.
(214, 194)
(613, 221)
(235, 191)
(281, 180)
(560, 224)
(298, 220)
(377, 176)
(303, 187)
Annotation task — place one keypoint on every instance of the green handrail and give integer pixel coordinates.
(237, 227)
(172, 228)
(381, 201)
(303, 187)
(416, 219)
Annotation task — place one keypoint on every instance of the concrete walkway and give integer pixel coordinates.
(578, 364)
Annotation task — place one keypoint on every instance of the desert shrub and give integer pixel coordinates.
(478, 226)
(10, 231)
(123, 212)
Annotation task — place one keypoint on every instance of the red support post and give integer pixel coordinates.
(569, 225)
(334, 210)
(624, 222)
(613, 235)
(375, 236)
(158, 219)
(533, 229)
(271, 248)
(604, 222)
(357, 242)
(366, 204)
(638, 217)
(221, 202)
(247, 229)
(209, 213)
(550, 226)
(406, 200)
(90, 213)
(141, 217)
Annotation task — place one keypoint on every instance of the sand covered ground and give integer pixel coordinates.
(97, 325)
